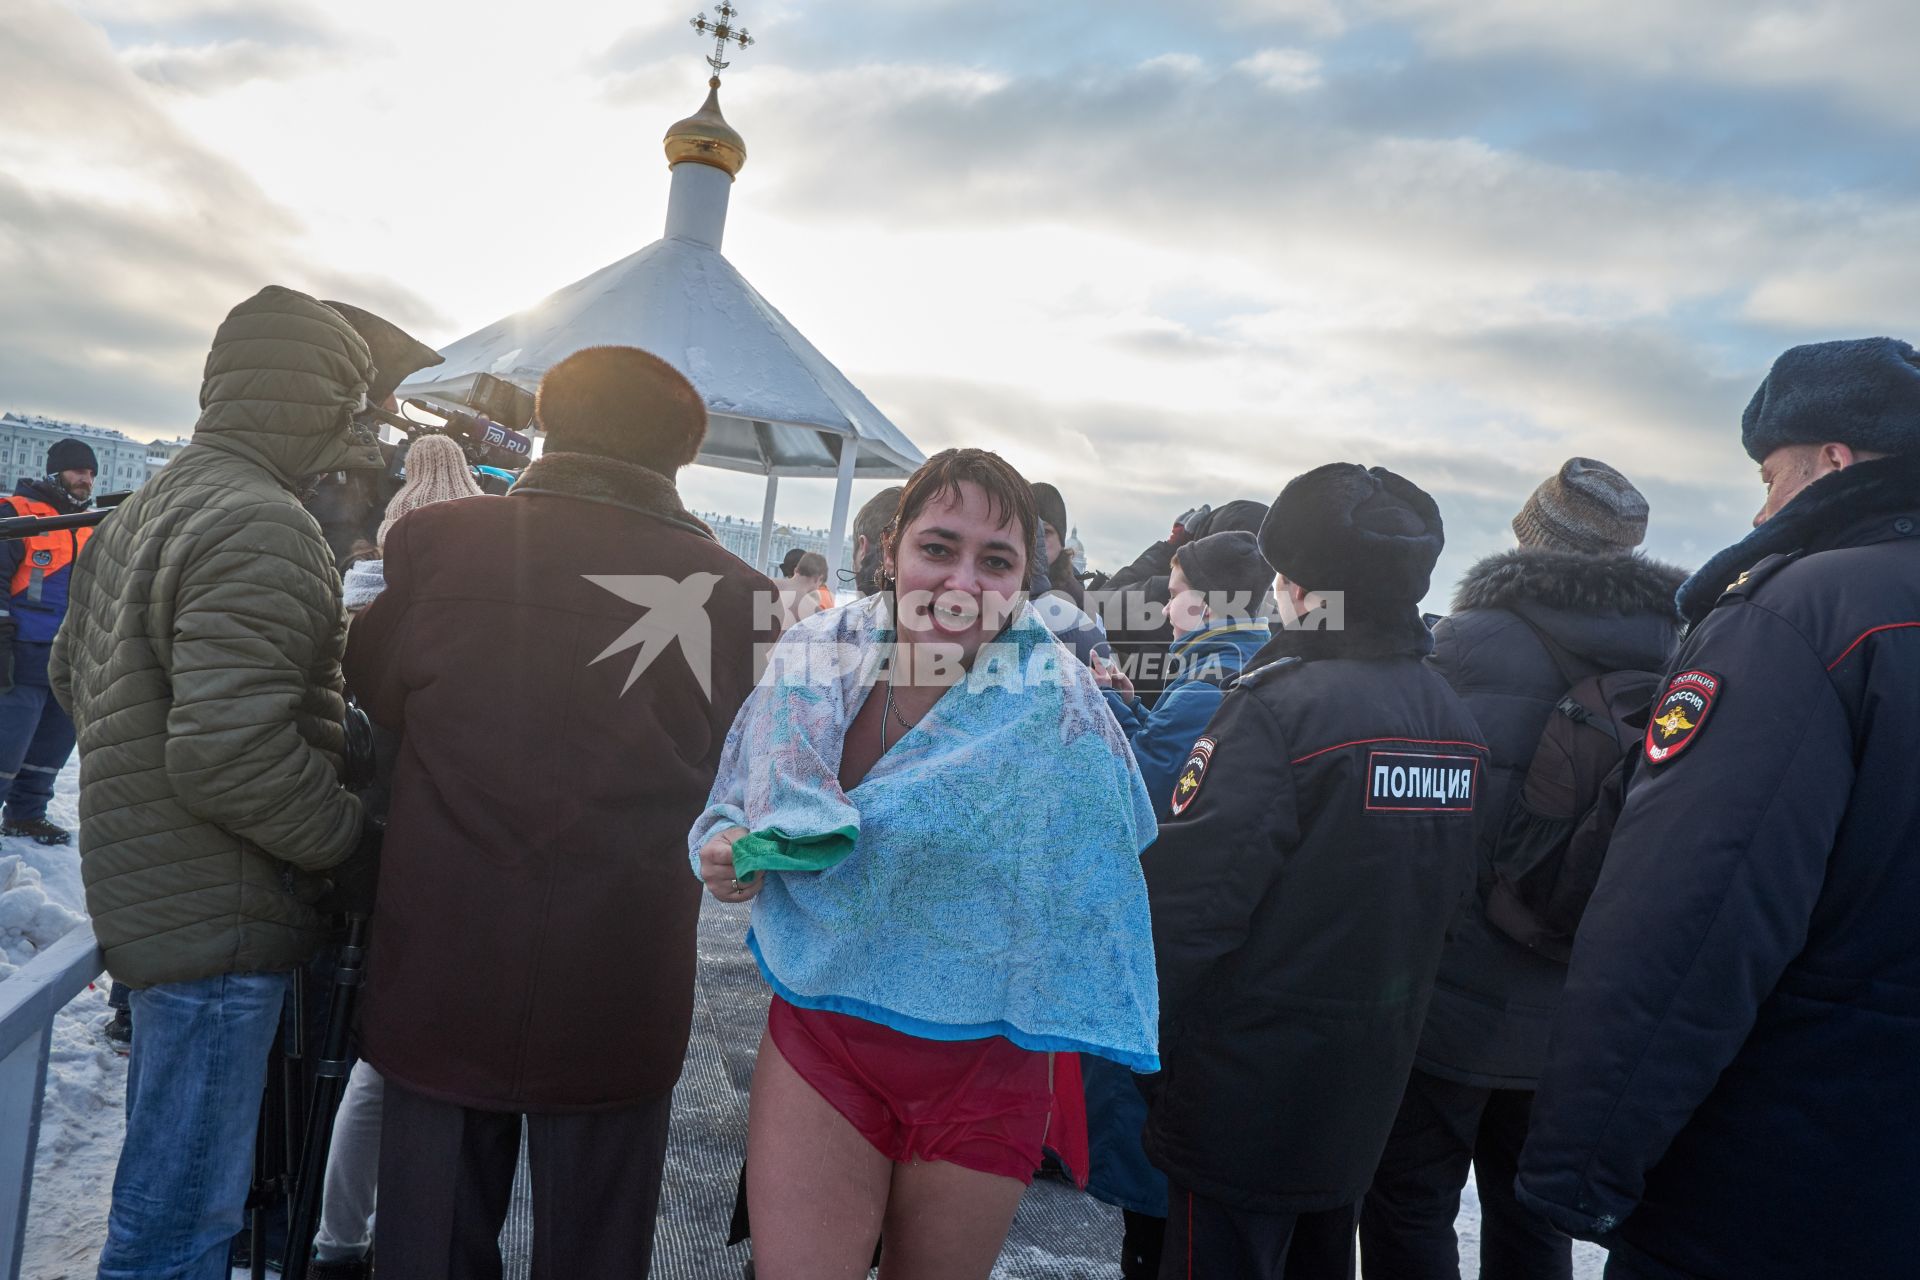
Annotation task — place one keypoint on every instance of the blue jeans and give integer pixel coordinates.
(194, 1080)
(36, 737)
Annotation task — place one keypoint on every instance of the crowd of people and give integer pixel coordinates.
(1231, 885)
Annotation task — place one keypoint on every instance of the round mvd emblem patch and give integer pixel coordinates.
(43, 558)
(1681, 714)
(1192, 773)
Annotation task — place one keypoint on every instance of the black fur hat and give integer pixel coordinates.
(622, 403)
(1863, 392)
(1361, 530)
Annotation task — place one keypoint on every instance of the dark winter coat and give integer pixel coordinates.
(1162, 735)
(1162, 738)
(1494, 999)
(1300, 900)
(200, 661)
(534, 937)
(1731, 1092)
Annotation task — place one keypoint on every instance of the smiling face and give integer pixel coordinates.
(959, 567)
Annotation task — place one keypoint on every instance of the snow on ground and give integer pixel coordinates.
(83, 1121)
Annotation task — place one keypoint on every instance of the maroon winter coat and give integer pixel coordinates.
(533, 943)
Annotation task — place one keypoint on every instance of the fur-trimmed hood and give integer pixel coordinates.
(621, 484)
(1819, 518)
(1571, 582)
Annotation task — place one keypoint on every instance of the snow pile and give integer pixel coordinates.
(30, 921)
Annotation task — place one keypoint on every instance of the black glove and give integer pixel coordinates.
(362, 765)
(6, 655)
(351, 886)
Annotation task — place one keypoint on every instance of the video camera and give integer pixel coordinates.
(490, 424)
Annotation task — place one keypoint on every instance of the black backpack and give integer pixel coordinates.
(1554, 839)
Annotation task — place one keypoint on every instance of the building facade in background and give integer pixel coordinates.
(125, 463)
(742, 537)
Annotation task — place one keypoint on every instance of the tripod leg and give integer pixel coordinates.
(330, 1081)
(266, 1156)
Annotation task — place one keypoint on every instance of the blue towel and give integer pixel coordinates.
(984, 877)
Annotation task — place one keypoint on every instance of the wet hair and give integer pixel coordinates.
(1009, 496)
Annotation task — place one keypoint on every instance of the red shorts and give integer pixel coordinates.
(980, 1104)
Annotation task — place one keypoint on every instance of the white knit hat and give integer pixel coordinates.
(437, 471)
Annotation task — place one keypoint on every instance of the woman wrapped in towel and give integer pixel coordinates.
(939, 825)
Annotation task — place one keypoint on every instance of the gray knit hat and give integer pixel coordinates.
(1587, 507)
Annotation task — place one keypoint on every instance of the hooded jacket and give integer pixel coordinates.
(200, 661)
(1730, 1093)
(1493, 999)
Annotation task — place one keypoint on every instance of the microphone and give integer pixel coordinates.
(499, 446)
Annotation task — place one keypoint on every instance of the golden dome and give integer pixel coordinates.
(705, 137)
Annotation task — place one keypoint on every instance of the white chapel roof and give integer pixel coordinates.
(776, 405)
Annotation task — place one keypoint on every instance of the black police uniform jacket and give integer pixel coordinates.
(1322, 837)
(1733, 1089)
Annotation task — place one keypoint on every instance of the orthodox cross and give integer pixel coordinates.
(722, 32)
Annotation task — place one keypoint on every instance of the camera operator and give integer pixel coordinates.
(36, 737)
(200, 661)
(349, 503)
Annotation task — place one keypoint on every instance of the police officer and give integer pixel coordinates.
(35, 735)
(1730, 1090)
(1321, 837)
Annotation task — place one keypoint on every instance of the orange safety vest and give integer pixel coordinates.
(44, 554)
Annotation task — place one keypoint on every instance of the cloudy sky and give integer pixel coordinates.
(1158, 254)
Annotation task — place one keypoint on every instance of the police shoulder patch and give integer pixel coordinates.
(1192, 773)
(1681, 713)
(43, 558)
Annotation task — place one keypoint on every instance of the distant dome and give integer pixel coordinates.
(705, 137)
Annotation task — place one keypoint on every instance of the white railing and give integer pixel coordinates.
(29, 1000)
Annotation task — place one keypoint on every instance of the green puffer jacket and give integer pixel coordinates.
(200, 660)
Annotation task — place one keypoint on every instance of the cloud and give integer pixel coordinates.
(1857, 51)
(210, 68)
(1283, 70)
(130, 242)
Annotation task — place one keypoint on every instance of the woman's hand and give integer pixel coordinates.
(1107, 673)
(716, 868)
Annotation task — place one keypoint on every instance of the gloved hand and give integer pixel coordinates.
(352, 884)
(1187, 527)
